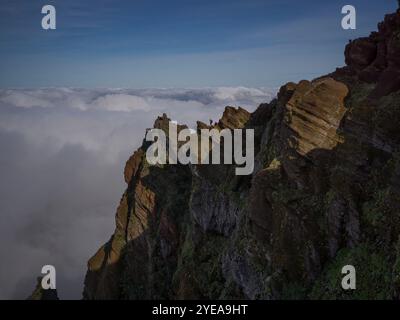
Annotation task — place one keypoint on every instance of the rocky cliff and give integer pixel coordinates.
(325, 193)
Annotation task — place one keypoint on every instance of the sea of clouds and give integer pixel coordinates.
(63, 151)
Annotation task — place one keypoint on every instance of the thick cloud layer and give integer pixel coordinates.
(62, 157)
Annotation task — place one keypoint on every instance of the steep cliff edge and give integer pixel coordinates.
(325, 193)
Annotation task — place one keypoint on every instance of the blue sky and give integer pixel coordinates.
(176, 43)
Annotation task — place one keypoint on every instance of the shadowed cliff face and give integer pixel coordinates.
(324, 194)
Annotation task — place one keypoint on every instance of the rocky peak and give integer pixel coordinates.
(233, 118)
(375, 59)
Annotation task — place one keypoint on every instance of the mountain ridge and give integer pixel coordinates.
(324, 194)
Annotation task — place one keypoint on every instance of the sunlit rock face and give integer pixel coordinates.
(324, 193)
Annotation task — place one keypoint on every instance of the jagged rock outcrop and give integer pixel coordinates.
(324, 193)
(375, 59)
